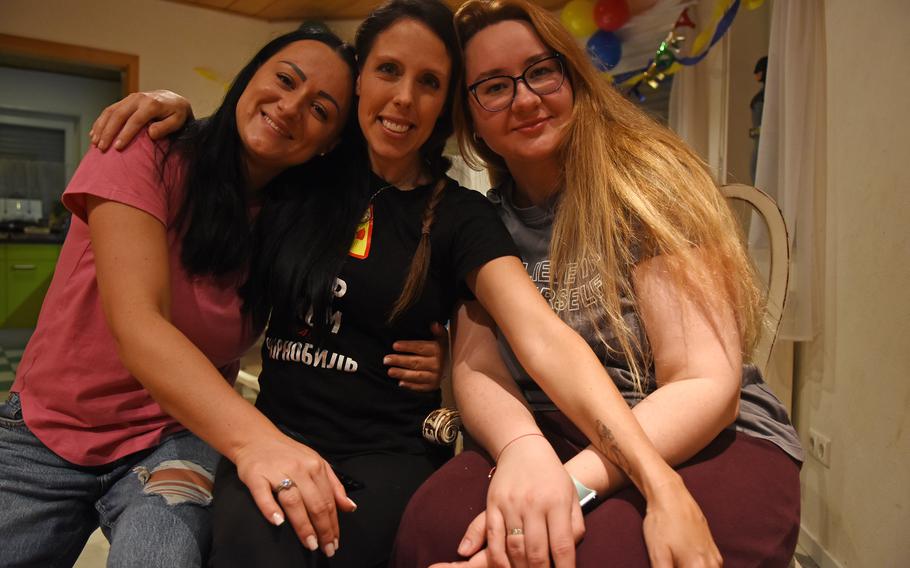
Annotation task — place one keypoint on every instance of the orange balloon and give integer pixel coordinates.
(639, 6)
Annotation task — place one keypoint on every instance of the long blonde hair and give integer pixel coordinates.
(633, 190)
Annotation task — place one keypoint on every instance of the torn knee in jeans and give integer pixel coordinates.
(177, 481)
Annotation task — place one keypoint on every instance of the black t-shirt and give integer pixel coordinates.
(335, 392)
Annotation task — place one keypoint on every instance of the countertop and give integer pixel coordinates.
(31, 238)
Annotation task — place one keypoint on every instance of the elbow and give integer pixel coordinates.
(733, 410)
(131, 333)
(731, 404)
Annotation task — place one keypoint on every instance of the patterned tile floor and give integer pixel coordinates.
(9, 360)
(12, 343)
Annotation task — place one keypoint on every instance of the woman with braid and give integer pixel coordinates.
(322, 379)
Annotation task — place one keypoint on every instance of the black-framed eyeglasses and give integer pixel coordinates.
(541, 77)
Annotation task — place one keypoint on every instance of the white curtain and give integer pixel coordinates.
(791, 150)
(463, 174)
(697, 99)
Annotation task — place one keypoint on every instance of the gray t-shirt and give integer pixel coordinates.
(761, 414)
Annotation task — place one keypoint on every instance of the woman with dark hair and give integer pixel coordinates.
(624, 231)
(142, 327)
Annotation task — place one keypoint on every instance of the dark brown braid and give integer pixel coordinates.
(420, 262)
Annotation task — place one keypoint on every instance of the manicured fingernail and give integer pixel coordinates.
(330, 550)
(385, 360)
(312, 543)
(336, 545)
(463, 546)
(278, 519)
(102, 146)
(118, 144)
(353, 504)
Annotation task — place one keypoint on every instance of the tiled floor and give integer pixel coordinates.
(9, 360)
(12, 343)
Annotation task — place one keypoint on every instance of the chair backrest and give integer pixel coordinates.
(779, 266)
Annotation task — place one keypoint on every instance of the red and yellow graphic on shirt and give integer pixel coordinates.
(360, 248)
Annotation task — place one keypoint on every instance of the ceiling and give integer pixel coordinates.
(299, 10)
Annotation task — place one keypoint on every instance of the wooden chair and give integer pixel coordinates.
(778, 266)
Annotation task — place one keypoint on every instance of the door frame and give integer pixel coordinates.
(127, 64)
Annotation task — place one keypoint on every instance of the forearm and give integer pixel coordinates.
(680, 419)
(492, 407)
(593, 403)
(492, 410)
(187, 386)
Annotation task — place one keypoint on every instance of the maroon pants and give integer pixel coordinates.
(748, 489)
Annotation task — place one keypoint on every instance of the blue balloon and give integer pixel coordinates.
(605, 50)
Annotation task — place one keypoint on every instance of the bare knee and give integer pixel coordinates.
(178, 481)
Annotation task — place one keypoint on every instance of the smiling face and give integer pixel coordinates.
(293, 108)
(531, 128)
(402, 88)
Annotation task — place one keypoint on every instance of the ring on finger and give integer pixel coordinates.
(516, 532)
(285, 483)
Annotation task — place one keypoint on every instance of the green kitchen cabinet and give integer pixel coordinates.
(27, 271)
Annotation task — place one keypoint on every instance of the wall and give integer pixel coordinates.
(170, 39)
(38, 91)
(852, 382)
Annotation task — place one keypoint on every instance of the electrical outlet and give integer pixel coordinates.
(820, 447)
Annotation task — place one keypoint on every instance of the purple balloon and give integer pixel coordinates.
(604, 49)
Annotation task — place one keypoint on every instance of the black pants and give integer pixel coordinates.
(244, 539)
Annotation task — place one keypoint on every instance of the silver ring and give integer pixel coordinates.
(516, 532)
(284, 484)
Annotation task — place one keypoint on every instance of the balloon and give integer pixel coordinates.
(701, 41)
(610, 15)
(639, 6)
(605, 50)
(578, 17)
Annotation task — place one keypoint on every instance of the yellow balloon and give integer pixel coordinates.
(578, 17)
(701, 42)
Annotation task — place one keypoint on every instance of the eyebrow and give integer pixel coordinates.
(499, 71)
(299, 72)
(438, 71)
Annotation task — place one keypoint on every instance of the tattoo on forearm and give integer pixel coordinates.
(609, 447)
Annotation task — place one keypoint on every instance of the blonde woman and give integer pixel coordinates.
(625, 234)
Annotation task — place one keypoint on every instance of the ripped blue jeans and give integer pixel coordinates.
(49, 507)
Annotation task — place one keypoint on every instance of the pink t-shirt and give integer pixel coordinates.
(77, 397)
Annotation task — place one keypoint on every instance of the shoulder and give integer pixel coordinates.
(132, 176)
(140, 157)
(456, 195)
